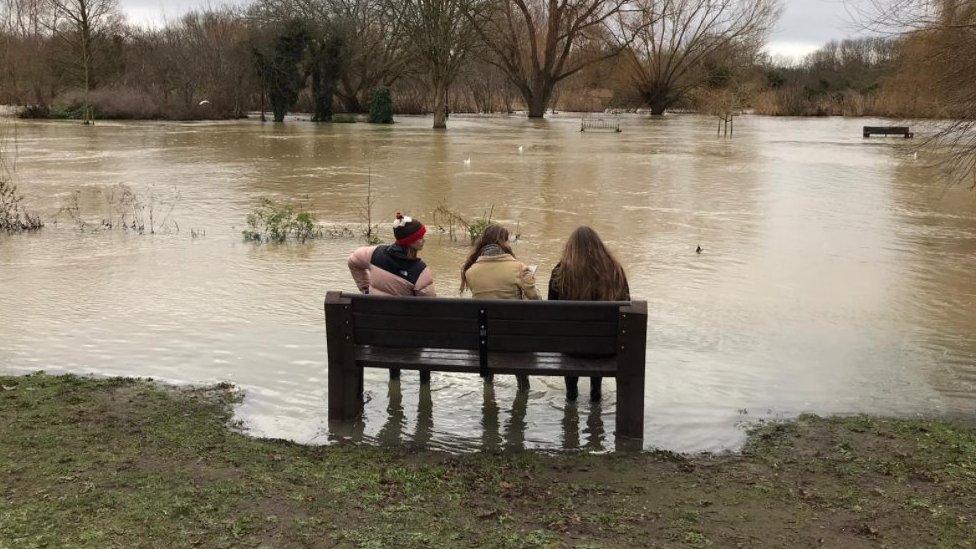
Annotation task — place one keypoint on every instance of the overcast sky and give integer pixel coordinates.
(805, 24)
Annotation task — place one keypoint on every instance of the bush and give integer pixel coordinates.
(344, 118)
(35, 112)
(275, 222)
(381, 106)
(109, 103)
(14, 218)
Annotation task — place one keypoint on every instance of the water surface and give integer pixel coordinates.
(837, 273)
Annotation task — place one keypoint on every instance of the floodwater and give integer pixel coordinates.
(837, 274)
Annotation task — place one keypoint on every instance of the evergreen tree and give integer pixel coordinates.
(381, 106)
(326, 66)
(280, 69)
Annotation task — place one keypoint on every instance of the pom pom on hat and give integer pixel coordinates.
(407, 230)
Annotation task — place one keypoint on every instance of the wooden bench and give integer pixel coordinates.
(486, 337)
(903, 131)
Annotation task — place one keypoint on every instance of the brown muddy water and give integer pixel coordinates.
(837, 273)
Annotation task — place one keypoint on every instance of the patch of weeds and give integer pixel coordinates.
(535, 538)
(697, 539)
(453, 223)
(479, 225)
(120, 207)
(278, 221)
(14, 217)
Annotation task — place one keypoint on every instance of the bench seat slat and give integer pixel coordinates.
(424, 323)
(454, 324)
(451, 360)
(496, 342)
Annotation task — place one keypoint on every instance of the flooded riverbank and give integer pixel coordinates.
(837, 274)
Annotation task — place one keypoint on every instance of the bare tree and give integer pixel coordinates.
(374, 54)
(539, 43)
(81, 24)
(441, 36)
(24, 51)
(673, 37)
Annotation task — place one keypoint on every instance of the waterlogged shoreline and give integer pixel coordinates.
(119, 461)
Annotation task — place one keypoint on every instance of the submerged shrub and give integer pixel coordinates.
(344, 118)
(276, 222)
(14, 218)
(381, 106)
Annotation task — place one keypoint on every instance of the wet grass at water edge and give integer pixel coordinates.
(118, 462)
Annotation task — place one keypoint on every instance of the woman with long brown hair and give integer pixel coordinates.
(587, 271)
(491, 271)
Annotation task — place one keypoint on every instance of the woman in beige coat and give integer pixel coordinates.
(491, 271)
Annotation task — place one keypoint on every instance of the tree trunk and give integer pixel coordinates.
(322, 90)
(537, 98)
(658, 101)
(351, 103)
(440, 105)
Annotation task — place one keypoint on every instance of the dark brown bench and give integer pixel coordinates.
(903, 131)
(486, 337)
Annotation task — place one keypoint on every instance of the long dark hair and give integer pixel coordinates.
(588, 271)
(494, 234)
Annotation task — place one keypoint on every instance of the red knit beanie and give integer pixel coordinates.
(407, 230)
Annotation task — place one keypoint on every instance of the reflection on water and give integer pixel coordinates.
(836, 276)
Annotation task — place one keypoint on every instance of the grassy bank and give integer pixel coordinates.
(122, 462)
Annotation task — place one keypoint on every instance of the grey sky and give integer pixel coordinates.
(805, 24)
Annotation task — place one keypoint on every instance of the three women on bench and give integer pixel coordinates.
(586, 271)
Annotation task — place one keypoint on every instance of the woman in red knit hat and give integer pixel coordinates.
(394, 269)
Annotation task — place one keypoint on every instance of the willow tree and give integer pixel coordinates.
(81, 25)
(674, 37)
(539, 43)
(441, 35)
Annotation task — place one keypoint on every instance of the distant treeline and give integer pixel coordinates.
(82, 59)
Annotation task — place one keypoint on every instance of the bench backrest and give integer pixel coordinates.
(511, 326)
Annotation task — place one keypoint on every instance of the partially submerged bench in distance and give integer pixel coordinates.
(903, 131)
(536, 338)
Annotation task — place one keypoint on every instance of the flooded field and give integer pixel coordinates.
(837, 276)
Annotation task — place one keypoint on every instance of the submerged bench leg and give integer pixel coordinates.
(425, 376)
(345, 378)
(523, 382)
(394, 373)
(572, 387)
(631, 340)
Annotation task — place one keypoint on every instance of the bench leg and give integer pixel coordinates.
(596, 388)
(523, 382)
(632, 337)
(425, 376)
(394, 373)
(345, 392)
(572, 387)
(630, 407)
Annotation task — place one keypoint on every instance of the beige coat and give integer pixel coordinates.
(501, 277)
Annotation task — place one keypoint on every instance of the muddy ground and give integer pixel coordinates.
(122, 462)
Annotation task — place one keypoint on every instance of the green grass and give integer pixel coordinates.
(121, 462)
